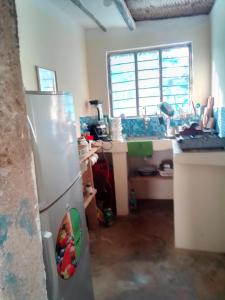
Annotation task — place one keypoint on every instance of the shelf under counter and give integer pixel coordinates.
(89, 154)
(89, 198)
(152, 187)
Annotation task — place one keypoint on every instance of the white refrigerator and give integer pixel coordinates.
(52, 125)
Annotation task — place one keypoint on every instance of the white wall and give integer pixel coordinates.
(51, 38)
(151, 33)
(217, 18)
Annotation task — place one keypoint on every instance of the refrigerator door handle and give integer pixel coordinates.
(31, 129)
(50, 265)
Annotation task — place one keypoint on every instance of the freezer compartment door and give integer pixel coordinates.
(67, 223)
(52, 122)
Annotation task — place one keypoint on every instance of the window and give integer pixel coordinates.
(139, 80)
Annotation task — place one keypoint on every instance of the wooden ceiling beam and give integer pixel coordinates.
(89, 14)
(125, 13)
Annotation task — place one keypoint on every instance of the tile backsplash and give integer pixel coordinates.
(84, 121)
(155, 126)
(219, 114)
(136, 127)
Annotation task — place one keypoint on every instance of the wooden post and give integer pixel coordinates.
(88, 13)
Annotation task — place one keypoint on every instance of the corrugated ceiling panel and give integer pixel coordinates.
(162, 9)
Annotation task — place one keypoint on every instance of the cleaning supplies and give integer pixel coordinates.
(166, 168)
(132, 201)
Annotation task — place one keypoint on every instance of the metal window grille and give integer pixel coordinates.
(139, 80)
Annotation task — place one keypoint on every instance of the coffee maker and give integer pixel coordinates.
(99, 129)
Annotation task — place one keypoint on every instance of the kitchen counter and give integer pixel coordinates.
(199, 199)
(212, 158)
(121, 146)
(120, 168)
(199, 189)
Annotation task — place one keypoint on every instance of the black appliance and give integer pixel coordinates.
(99, 130)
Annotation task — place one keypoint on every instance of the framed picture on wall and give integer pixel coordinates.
(46, 78)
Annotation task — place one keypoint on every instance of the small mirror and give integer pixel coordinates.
(46, 80)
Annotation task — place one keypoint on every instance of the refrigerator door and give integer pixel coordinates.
(52, 122)
(70, 276)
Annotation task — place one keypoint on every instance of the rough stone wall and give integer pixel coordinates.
(22, 275)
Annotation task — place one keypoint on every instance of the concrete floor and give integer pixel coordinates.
(135, 259)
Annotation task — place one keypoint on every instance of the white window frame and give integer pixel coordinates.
(135, 51)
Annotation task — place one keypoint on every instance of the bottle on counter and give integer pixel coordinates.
(83, 146)
(108, 217)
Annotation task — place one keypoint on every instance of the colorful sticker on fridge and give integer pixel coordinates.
(68, 244)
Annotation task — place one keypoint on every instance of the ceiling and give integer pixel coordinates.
(162, 9)
(108, 16)
(107, 13)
